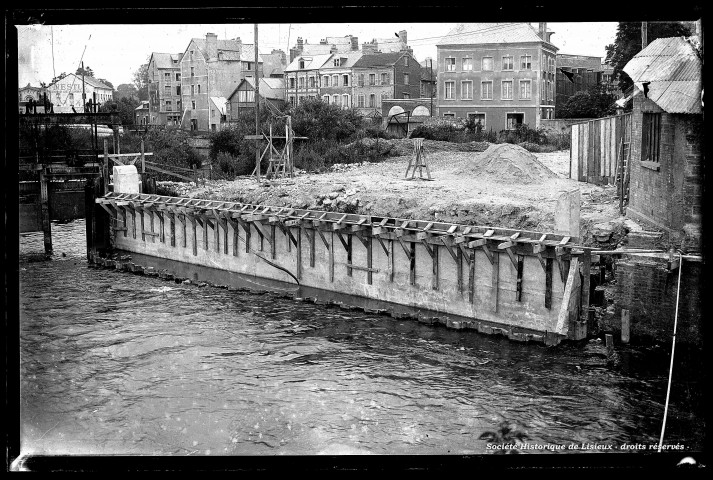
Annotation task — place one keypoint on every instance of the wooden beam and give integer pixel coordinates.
(436, 269)
(143, 227)
(471, 275)
(428, 248)
(299, 253)
(369, 264)
(519, 266)
(548, 284)
(412, 274)
(459, 270)
(349, 254)
(446, 241)
(172, 228)
(331, 258)
(477, 243)
(195, 235)
(491, 255)
(381, 242)
(495, 280)
(391, 260)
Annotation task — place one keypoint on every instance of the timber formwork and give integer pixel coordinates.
(500, 280)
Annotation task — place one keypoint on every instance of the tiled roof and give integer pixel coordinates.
(351, 59)
(311, 62)
(165, 60)
(378, 59)
(671, 68)
(93, 82)
(486, 33)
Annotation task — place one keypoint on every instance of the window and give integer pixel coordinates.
(372, 79)
(193, 104)
(384, 78)
(507, 62)
(178, 77)
(325, 98)
(167, 77)
(302, 64)
(372, 100)
(487, 64)
(336, 62)
(450, 64)
(467, 64)
(193, 71)
(450, 91)
(345, 80)
(193, 89)
(335, 99)
(449, 115)
(325, 81)
(191, 54)
(525, 89)
(651, 137)
(466, 90)
(335, 80)
(248, 65)
(486, 90)
(302, 82)
(199, 88)
(292, 100)
(525, 62)
(513, 120)
(292, 83)
(311, 82)
(405, 61)
(406, 79)
(361, 79)
(360, 101)
(478, 117)
(506, 93)
(345, 100)
(167, 89)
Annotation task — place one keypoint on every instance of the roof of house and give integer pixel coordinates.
(272, 64)
(312, 62)
(270, 88)
(143, 106)
(389, 45)
(351, 59)
(88, 80)
(485, 33)
(379, 59)
(165, 60)
(219, 103)
(229, 50)
(671, 70)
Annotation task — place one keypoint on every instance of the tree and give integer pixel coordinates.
(106, 82)
(594, 102)
(54, 80)
(126, 90)
(141, 81)
(85, 71)
(125, 107)
(628, 43)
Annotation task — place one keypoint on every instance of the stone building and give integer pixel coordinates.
(500, 74)
(212, 69)
(164, 71)
(336, 79)
(302, 77)
(66, 94)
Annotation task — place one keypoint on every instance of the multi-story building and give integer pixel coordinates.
(335, 79)
(211, 69)
(328, 45)
(66, 94)
(164, 87)
(302, 77)
(242, 100)
(499, 74)
(379, 76)
(274, 64)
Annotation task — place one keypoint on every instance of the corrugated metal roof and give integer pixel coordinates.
(486, 33)
(671, 69)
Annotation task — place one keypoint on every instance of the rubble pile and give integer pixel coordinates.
(508, 163)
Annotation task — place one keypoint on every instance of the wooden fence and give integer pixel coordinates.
(599, 150)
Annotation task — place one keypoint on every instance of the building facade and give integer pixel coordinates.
(242, 100)
(499, 74)
(142, 113)
(66, 94)
(336, 81)
(165, 101)
(302, 77)
(380, 76)
(212, 68)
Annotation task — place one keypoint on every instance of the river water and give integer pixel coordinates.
(116, 363)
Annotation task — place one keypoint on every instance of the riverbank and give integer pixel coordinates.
(460, 192)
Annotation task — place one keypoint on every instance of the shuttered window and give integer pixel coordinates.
(651, 137)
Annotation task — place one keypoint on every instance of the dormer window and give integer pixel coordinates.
(302, 64)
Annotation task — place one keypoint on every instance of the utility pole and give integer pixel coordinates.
(644, 35)
(257, 111)
(431, 93)
(84, 95)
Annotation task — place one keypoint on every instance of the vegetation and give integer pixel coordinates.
(595, 102)
(141, 81)
(628, 43)
(125, 107)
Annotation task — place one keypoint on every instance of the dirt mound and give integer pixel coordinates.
(508, 164)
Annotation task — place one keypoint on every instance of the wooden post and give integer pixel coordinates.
(183, 224)
(349, 255)
(225, 236)
(496, 279)
(143, 158)
(205, 233)
(299, 250)
(236, 236)
(548, 282)
(123, 217)
(88, 214)
(369, 260)
(151, 225)
(133, 222)
(412, 266)
(217, 235)
(520, 265)
(586, 266)
(331, 258)
(471, 276)
(273, 245)
(195, 235)
(105, 166)
(143, 227)
(459, 270)
(172, 229)
(257, 111)
(625, 326)
(45, 211)
(436, 269)
(246, 227)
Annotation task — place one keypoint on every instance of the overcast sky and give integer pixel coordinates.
(114, 52)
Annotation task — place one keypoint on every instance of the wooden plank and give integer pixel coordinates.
(436, 269)
(172, 228)
(349, 254)
(548, 284)
(195, 235)
(477, 243)
(143, 227)
(471, 276)
(369, 260)
(586, 259)
(495, 280)
(459, 270)
(299, 253)
(412, 267)
(519, 266)
(331, 259)
(392, 261)
(273, 244)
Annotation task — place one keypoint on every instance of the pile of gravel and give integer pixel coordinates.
(508, 163)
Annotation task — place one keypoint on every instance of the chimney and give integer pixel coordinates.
(402, 36)
(300, 44)
(355, 43)
(542, 31)
(333, 49)
(211, 45)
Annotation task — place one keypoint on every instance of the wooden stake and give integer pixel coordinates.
(273, 245)
(331, 258)
(369, 259)
(518, 292)
(195, 235)
(496, 279)
(548, 283)
(45, 211)
(471, 276)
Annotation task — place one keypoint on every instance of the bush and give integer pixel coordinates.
(229, 167)
(323, 121)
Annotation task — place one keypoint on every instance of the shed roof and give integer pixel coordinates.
(671, 70)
